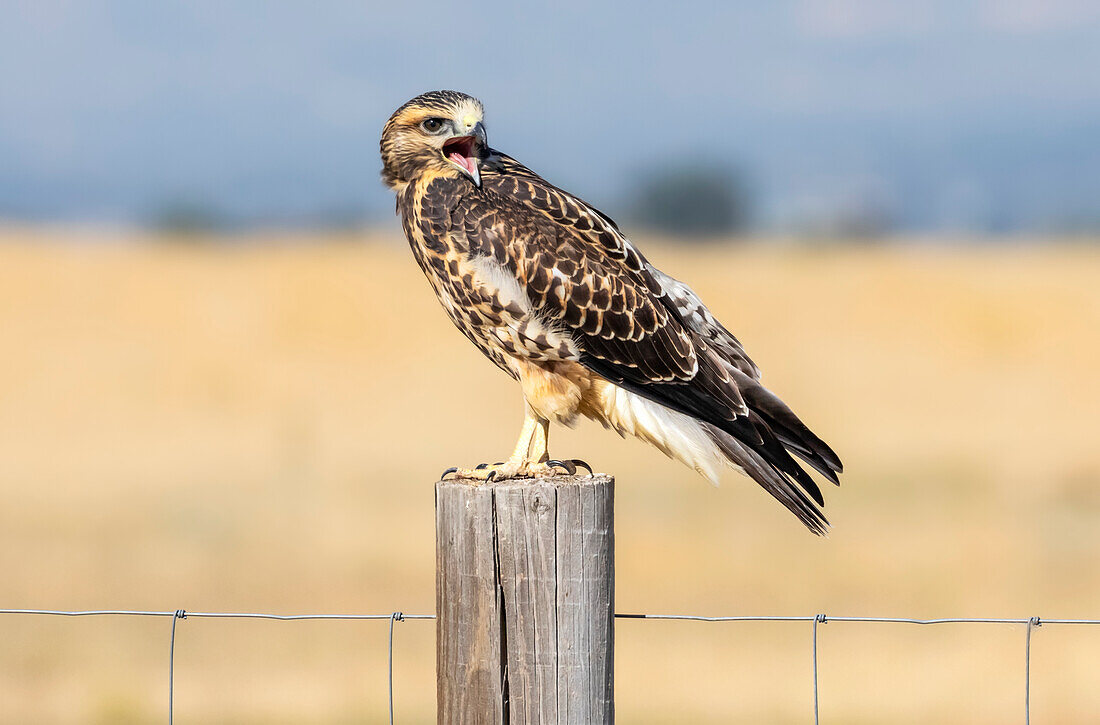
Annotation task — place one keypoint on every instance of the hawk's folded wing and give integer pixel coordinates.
(636, 326)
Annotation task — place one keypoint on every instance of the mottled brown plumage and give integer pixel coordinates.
(549, 289)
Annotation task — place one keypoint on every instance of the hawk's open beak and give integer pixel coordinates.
(465, 151)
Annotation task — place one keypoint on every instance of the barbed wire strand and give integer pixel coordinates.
(688, 617)
(1031, 624)
(810, 618)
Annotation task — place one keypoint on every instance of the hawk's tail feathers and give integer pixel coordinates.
(787, 427)
(772, 479)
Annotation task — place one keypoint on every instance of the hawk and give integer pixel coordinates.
(549, 289)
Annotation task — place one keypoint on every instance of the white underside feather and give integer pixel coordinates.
(678, 436)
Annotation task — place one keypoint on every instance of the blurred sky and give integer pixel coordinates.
(941, 115)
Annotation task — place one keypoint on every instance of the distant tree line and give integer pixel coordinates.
(692, 200)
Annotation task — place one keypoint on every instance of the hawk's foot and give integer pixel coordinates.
(518, 469)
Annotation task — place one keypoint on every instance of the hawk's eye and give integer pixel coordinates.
(433, 125)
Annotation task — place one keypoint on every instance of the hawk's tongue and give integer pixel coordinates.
(466, 162)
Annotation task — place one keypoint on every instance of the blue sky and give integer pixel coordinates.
(947, 115)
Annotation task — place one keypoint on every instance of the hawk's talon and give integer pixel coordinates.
(484, 473)
(448, 472)
(566, 465)
(581, 464)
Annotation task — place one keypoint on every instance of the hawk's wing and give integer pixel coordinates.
(599, 232)
(698, 318)
(636, 326)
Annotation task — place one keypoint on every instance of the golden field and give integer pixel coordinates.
(257, 426)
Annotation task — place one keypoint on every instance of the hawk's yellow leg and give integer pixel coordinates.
(529, 459)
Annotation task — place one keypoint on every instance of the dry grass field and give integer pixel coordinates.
(257, 427)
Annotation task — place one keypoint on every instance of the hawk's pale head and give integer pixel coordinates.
(440, 132)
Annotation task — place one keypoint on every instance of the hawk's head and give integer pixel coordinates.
(438, 132)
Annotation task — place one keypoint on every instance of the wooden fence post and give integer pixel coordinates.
(525, 594)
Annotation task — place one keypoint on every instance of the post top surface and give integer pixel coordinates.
(598, 479)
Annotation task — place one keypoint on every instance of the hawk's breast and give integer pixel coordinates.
(478, 289)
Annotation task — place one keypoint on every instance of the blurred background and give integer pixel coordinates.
(225, 386)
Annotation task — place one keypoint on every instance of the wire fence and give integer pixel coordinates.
(1030, 625)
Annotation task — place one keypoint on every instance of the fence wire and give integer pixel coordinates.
(1030, 624)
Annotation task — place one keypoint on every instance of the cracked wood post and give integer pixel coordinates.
(525, 593)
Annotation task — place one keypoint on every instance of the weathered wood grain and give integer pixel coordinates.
(525, 597)
(468, 665)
